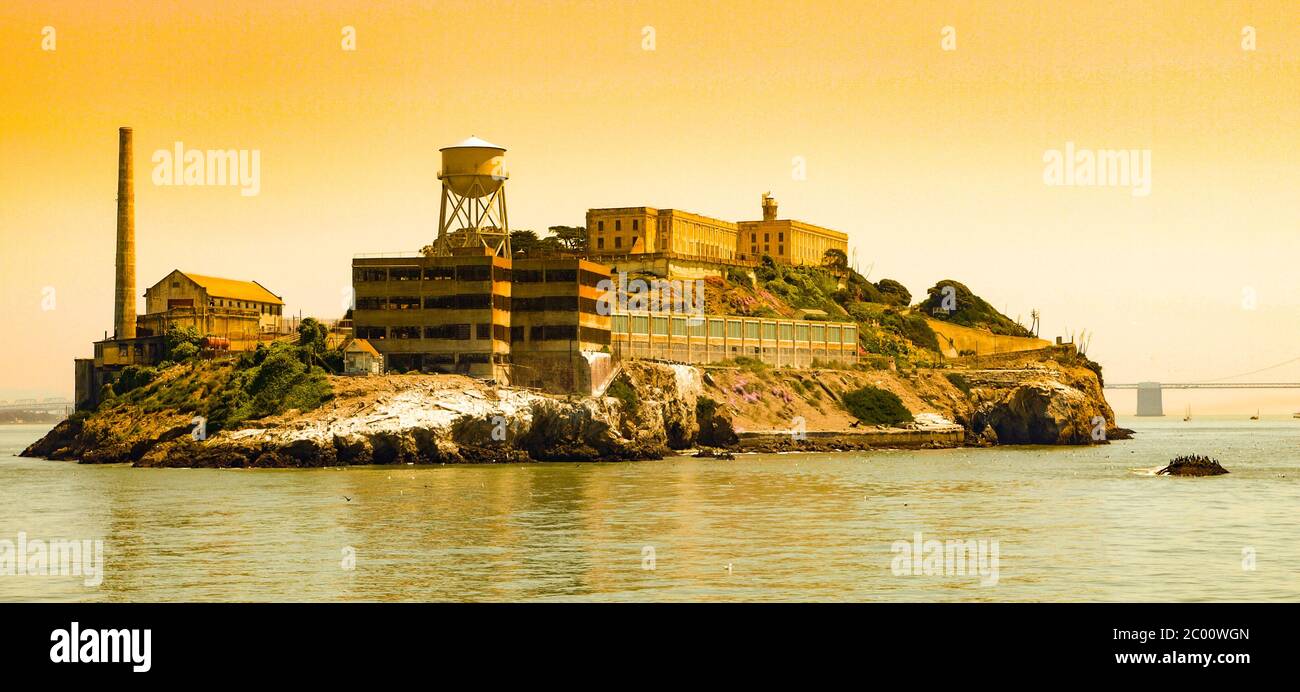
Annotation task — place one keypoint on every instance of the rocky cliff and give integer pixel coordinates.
(403, 419)
(648, 411)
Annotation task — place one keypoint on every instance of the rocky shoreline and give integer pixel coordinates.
(448, 419)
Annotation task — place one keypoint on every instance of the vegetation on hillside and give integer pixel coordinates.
(889, 329)
(265, 382)
(876, 406)
(951, 301)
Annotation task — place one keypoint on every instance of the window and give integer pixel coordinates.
(404, 274)
(634, 226)
(679, 326)
(362, 274)
(406, 332)
(562, 275)
(593, 335)
(527, 276)
(766, 237)
(554, 332)
(640, 324)
(634, 241)
(618, 324)
(753, 237)
(751, 330)
(618, 241)
(483, 331)
(716, 328)
(517, 335)
(734, 328)
(600, 243)
(439, 273)
(600, 226)
(474, 272)
(458, 332)
(780, 249)
(618, 224)
(459, 301)
(660, 325)
(780, 237)
(374, 333)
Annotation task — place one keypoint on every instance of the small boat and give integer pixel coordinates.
(1296, 414)
(1188, 416)
(1256, 416)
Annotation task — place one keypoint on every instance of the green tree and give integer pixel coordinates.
(523, 240)
(894, 293)
(835, 260)
(571, 238)
(176, 336)
(312, 335)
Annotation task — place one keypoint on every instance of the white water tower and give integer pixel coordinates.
(473, 215)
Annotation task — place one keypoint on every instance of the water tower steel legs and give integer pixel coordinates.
(1149, 399)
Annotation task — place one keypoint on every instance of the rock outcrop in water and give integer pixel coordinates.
(1047, 404)
(1193, 465)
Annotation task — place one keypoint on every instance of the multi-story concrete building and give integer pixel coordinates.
(529, 322)
(633, 238)
(638, 230)
(786, 240)
(437, 314)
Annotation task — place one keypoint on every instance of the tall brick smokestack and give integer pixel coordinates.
(124, 296)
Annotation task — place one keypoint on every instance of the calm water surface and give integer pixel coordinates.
(1072, 524)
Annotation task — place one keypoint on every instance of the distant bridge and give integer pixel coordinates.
(1150, 401)
(58, 405)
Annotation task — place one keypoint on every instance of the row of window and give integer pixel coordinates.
(481, 301)
(733, 329)
(618, 225)
(477, 272)
(484, 331)
(618, 243)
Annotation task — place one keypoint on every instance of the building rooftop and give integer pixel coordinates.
(362, 346)
(234, 290)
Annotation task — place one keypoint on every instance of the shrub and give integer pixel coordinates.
(133, 377)
(873, 405)
(176, 337)
(183, 351)
(740, 278)
(626, 394)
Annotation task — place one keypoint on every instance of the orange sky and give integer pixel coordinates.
(931, 160)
